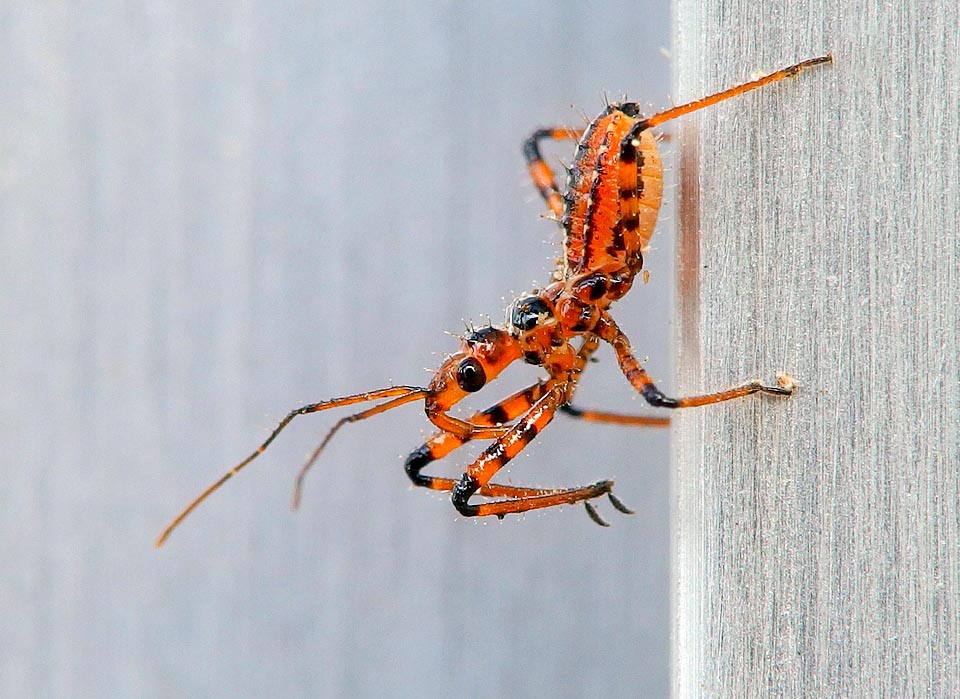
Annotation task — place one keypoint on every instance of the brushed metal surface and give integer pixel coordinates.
(818, 539)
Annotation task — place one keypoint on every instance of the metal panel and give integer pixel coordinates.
(818, 547)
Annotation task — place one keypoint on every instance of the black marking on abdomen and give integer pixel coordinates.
(592, 205)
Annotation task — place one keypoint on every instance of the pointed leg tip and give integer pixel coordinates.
(297, 495)
(785, 385)
(618, 505)
(591, 510)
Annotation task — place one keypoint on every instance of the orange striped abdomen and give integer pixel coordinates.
(612, 198)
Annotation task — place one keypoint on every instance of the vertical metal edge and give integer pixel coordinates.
(686, 504)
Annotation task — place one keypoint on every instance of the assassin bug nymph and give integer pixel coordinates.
(607, 213)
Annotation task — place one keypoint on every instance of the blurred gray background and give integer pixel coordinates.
(211, 213)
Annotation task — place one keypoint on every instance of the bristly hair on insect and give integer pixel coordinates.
(607, 212)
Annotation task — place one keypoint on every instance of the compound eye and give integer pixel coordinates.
(528, 313)
(470, 375)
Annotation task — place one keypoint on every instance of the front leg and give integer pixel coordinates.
(442, 443)
(496, 456)
(638, 378)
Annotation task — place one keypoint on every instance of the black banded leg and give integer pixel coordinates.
(496, 456)
(590, 344)
(540, 172)
(442, 443)
(644, 385)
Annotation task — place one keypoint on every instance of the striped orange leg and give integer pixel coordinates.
(496, 456)
(540, 172)
(590, 344)
(442, 443)
(644, 385)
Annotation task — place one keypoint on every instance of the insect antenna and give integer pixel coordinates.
(362, 415)
(400, 395)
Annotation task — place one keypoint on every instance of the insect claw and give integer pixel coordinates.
(592, 511)
(787, 382)
(785, 386)
(619, 505)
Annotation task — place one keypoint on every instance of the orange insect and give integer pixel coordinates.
(608, 213)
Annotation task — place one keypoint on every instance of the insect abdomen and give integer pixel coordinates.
(610, 211)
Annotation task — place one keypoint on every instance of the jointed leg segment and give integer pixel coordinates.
(644, 385)
(590, 344)
(496, 456)
(442, 443)
(540, 172)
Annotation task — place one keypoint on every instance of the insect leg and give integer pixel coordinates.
(589, 346)
(540, 172)
(644, 385)
(493, 458)
(787, 72)
(615, 418)
(631, 156)
(442, 443)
